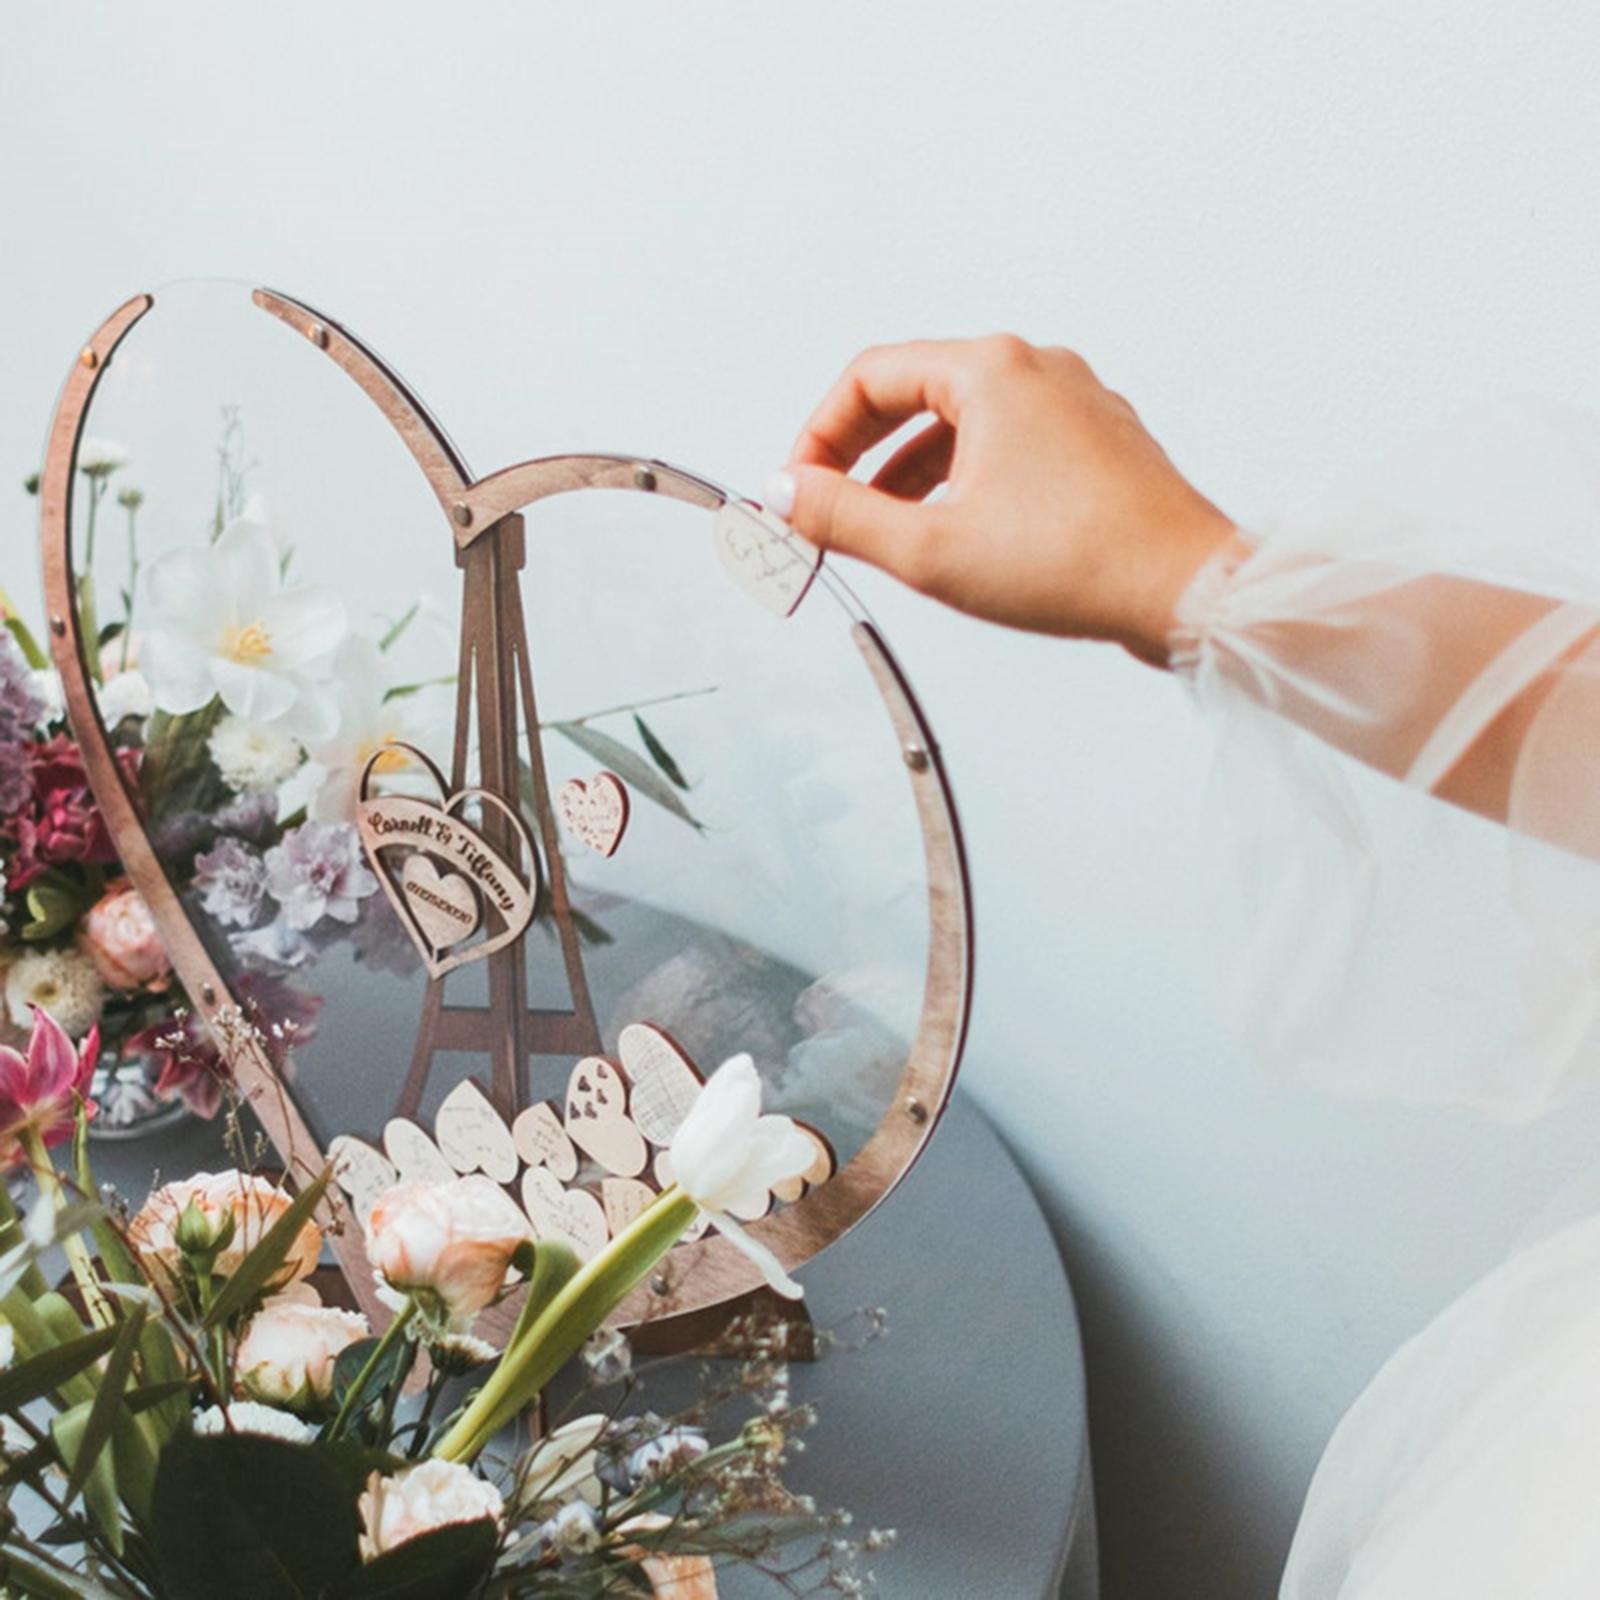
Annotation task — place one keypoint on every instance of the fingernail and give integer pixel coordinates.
(780, 493)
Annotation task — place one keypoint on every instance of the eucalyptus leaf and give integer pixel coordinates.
(108, 1399)
(659, 753)
(394, 1366)
(48, 1371)
(69, 1429)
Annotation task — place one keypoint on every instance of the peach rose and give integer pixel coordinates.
(249, 1204)
(431, 1495)
(674, 1577)
(449, 1244)
(119, 936)
(287, 1354)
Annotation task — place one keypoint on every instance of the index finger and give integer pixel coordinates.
(882, 388)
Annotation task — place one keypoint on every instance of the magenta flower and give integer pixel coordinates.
(40, 1091)
(60, 822)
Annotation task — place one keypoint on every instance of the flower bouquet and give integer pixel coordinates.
(185, 1419)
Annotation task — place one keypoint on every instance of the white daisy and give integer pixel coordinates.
(253, 755)
(63, 982)
(250, 1416)
(99, 458)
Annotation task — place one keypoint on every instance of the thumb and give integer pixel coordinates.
(837, 512)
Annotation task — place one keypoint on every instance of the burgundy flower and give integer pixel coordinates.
(60, 821)
(41, 1090)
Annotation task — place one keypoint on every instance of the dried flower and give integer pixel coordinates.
(447, 1244)
(318, 871)
(674, 1577)
(99, 458)
(231, 880)
(287, 1354)
(63, 982)
(433, 1494)
(669, 1452)
(120, 936)
(40, 1092)
(573, 1531)
(253, 755)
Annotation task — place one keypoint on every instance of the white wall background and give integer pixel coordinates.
(1284, 229)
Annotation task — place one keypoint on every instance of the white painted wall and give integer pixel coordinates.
(1284, 229)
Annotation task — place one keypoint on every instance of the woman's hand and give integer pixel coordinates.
(1062, 514)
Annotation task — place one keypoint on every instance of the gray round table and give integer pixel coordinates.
(965, 1428)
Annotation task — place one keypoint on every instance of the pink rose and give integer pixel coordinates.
(120, 936)
(432, 1494)
(449, 1244)
(287, 1354)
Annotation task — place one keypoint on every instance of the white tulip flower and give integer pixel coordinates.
(726, 1155)
(221, 622)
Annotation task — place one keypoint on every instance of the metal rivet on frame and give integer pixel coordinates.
(318, 335)
(88, 358)
(644, 478)
(916, 758)
(461, 514)
(208, 995)
(659, 1284)
(58, 626)
(916, 1111)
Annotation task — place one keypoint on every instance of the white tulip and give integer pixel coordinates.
(726, 1155)
(221, 622)
(563, 1466)
(432, 1494)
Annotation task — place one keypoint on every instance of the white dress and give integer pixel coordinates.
(1445, 632)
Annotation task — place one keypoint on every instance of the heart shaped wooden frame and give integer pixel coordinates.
(481, 515)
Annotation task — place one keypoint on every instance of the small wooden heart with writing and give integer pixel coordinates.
(415, 1156)
(541, 1141)
(361, 1172)
(442, 902)
(557, 1212)
(597, 1118)
(664, 1081)
(596, 812)
(474, 1136)
(764, 556)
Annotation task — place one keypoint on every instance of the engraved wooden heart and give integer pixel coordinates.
(596, 811)
(440, 873)
(557, 1212)
(597, 1118)
(664, 1081)
(764, 556)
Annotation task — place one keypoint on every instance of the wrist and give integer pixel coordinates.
(1211, 543)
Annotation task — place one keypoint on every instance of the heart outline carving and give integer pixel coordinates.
(437, 828)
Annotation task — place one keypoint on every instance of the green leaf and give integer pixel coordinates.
(392, 634)
(628, 765)
(27, 644)
(111, 631)
(29, 1576)
(51, 910)
(447, 1564)
(396, 1363)
(107, 1402)
(256, 1272)
(554, 1264)
(46, 1372)
(69, 1429)
(258, 1519)
(659, 753)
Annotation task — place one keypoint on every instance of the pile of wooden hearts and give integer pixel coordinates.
(621, 1116)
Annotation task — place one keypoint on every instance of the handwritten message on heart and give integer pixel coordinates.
(764, 556)
(596, 812)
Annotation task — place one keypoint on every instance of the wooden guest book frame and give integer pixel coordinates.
(496, 692)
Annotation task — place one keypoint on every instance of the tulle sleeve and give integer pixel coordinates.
(1406, 700)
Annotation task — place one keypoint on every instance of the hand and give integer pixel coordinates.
(1062, 514)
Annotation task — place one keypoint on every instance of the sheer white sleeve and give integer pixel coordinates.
(1358, 675)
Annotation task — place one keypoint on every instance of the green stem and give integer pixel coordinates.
(217, 1338)
(379, 1351)
(583, 1303)
(76, 1251)
(133, 583)
(87, 619)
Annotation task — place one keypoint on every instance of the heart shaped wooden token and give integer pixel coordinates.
(443, 903)
(820, 1170)
(557, 1212)
(541, 1141)
(474, 1136)
(362, 1172)
(663, 1079)
(764, 556)
(596, 812)
(622, 1199)
(415, 1156)
(597, 1118)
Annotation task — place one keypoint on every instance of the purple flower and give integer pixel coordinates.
(21, 709)
(251, 814)
(16, 782)
(231, 879)
(276, 945)
(317, 872)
